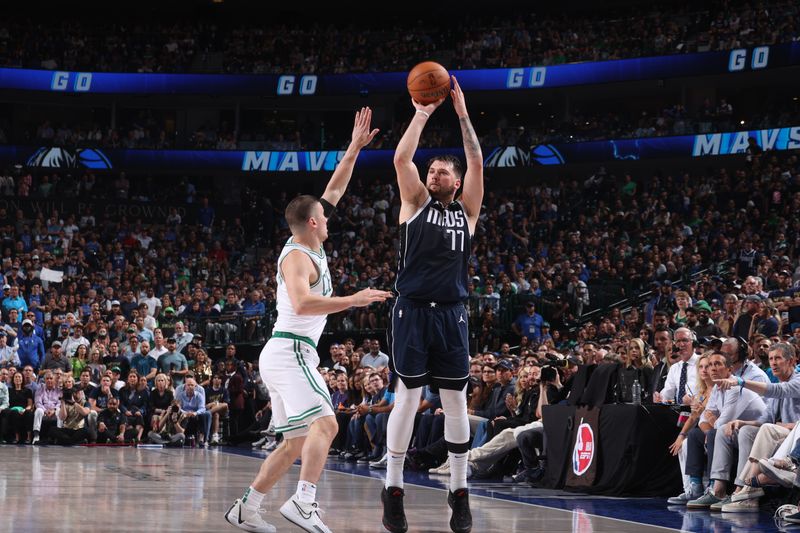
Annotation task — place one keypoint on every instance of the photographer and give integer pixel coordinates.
(530, 439)
(487, 461)
(71, 413)
(167, 427)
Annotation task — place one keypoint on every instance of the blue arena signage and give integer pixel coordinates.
(729, 143)
(308, 85)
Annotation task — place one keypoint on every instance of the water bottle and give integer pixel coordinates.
(636, 392)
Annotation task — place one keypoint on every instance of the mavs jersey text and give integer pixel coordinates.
(435, 245)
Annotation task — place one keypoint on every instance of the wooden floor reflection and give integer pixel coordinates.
(124, 489)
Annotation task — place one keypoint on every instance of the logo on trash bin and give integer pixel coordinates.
(583, 454)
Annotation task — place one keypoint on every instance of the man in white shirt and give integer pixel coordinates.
(724, 406)
(375, 358)
(71, 343)
(681, 382)
(159, 349)
(182, 337)
(153, 303)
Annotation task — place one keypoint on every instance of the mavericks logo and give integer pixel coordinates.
(66, 158)
(583, 454)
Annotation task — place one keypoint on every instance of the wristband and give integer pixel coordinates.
(740, 380)
(682, 434)
(427, 115)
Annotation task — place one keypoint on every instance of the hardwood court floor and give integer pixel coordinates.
(52, 489)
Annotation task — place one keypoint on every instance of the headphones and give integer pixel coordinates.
(744, 349)
(695, 344)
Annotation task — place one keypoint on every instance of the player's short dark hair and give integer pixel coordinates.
(458, 166)
(300, 210)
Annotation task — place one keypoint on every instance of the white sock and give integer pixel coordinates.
(306, 492)
(252, 499)
(394, 469)
(458, 470)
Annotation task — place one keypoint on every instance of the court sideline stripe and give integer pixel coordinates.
(245, 453)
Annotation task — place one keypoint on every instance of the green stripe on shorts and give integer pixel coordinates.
(305, 414)
(287, 335)
(309, 377)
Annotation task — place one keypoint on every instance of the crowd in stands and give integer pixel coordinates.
(626, 121)
(141, 300)
(327, 45)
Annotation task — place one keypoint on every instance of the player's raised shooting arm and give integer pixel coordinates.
(472, 194)
(362, 136)
(412, 190)
(299, 273)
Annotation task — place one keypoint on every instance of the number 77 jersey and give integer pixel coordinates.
(435, 245)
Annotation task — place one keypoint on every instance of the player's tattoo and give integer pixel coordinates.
(471, 145)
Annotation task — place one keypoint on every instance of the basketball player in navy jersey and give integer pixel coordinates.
(428, 337)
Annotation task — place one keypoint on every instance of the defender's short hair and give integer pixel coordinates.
(300, 210)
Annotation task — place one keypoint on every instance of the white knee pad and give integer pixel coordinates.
(456, 423)
(401, 420)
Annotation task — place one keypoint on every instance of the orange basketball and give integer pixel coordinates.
(428, 82)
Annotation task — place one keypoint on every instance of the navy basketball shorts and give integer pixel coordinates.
(429, 344)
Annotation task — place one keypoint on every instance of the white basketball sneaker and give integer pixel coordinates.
(253, 523)
(304, 515)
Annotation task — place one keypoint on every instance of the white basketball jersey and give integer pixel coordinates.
(288, 320)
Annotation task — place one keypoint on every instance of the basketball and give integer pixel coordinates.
(428, 82)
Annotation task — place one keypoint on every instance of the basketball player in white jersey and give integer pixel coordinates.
(301, 404)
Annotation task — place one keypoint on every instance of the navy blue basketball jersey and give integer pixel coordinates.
(435, 246)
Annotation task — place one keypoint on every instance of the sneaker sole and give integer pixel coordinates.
(740, 510)
(717, 508)
(749, 495)
(676, 502)
(698, 506)
(235, 523)
(467, 529)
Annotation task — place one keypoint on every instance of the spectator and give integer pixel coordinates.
(70, 345)
(192, 402)
(682, 377)
(253, 310)
(46, 401)
(30, 347)
(112, 424)
(8, 354)
(133, 404)
(56, 360)
(182, 338)
(159, 401)
(529, 324)
(217, 401)
(17, 420)
(375, 358)
(174, 364)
